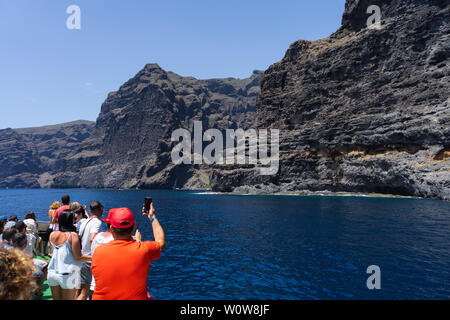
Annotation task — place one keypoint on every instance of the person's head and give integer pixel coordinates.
(55, 205)
(65, 199)
(79, 213)
(66, 221)
(21, 226)
(96, 208)
(8, 234)
(16, 269)
(30, 215)
(122, 223)
(74, 206)
(13, 218)
(19, 240)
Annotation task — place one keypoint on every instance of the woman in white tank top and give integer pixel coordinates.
(64, 268)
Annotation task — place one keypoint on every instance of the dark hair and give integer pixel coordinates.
(19, 240)
(20, 226)
(81, 211)
(66, 221)
(30, 215)
(65, 199)
(95, 207)
(13, 218)
(123, 232)
(9, 233)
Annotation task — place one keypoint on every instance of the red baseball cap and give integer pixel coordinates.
(108, 218)
(121, 218)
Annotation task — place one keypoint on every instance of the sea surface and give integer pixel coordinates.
(280, 247)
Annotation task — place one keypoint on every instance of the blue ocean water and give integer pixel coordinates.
(280, 247)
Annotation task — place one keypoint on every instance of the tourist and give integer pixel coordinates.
(101, 238)
(7, 237)
(13, 218)
(65, 265)
(30, 215)
(115, 277)
(74, 206)
(10, 224)
(32, 236)
(88, 230)
(65, 200)
(51, 213)
(21, 227)
(19, 241)
(80, 217)
(16, 275)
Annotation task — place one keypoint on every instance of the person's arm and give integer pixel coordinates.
(55, 217)
(158, 232)
(76, 249)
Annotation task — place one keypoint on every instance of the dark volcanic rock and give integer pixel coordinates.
(364, 110)
(29, 156)
(130, 146)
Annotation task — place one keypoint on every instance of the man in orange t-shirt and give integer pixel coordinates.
(120, 267)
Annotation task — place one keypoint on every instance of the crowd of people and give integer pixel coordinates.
(78, 261)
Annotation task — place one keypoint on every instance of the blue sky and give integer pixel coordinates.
(50, 74)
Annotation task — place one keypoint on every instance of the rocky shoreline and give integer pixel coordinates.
(363, 110)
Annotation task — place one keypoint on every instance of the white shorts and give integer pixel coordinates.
(65, 281)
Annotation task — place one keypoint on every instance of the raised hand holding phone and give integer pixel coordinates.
(148, 209)
(158, 233)
(147, 203)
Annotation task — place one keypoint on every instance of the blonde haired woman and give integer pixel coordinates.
(16, 275)
(55, 206)
(51, 227)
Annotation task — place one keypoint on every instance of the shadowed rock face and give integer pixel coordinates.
(363, 110)
(130, 146)
(28, 156)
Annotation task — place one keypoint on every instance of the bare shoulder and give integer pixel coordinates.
(73, 237)
(53, 235)
(57, 237)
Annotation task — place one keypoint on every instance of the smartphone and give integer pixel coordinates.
(147, 202)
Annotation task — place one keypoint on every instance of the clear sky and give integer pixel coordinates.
(50, 74)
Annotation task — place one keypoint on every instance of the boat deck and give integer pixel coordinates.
(47, 293)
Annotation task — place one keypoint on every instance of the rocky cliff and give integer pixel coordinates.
(29, 156)
(130, 145)
(364, 110)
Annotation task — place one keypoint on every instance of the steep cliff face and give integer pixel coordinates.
(130, 146)
(29, 156)
(364, 110)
